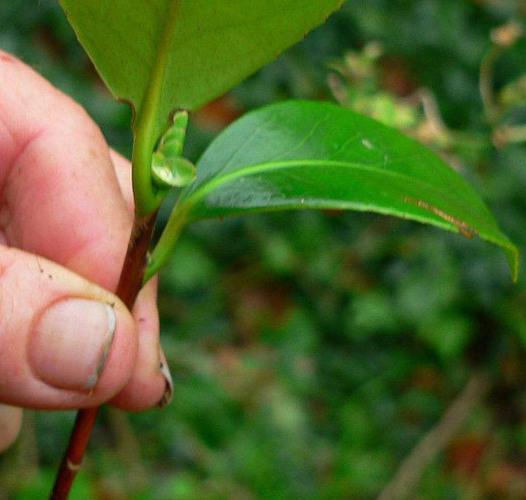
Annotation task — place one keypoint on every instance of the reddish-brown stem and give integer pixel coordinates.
(127, 290)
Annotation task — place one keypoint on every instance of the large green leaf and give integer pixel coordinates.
(168, 54)
(299, 155)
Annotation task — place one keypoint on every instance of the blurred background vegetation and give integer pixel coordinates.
(314, 352)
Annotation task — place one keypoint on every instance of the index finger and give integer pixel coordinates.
(59, 194)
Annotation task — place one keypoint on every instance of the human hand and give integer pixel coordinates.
(66, 207)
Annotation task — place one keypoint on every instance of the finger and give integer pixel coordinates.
(10, 425)
(66, 343)
(59, 192)
(148, 384)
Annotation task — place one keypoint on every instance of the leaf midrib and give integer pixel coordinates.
(146, 124)
(203, 190)
(152, 99)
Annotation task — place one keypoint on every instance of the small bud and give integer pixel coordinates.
(170, 172)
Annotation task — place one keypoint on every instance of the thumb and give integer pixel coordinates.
(64, 342)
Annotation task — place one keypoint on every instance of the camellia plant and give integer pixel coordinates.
(168, 58)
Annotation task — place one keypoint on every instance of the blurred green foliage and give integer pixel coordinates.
(312, 351)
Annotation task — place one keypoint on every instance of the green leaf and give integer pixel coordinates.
(170, 54)
(304, 155)
(161, 55)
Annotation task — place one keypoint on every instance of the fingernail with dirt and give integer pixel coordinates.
(71, 341)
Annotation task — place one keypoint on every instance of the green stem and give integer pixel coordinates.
(145, 195)
(165, 245)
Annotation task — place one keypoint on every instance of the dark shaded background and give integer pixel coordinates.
(313, 351)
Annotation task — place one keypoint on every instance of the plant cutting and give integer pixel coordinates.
(169, 58)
